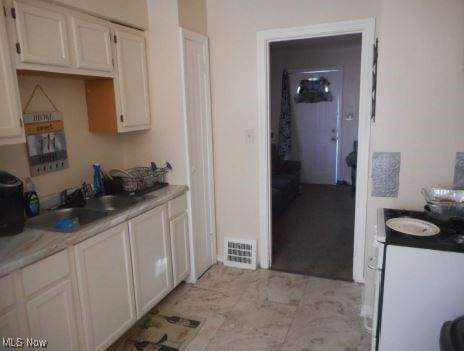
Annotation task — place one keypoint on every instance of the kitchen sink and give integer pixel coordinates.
(112, 202)
(78, 215)
(75, 217)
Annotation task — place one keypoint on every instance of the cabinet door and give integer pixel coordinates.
(151, 257)
(92, 43)
(132, 79)
(52, 316)
(9, 325)
(42, 34)
(10, 107)
(180, 248)
(104, 274)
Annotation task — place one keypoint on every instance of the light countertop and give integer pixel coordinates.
(35, 244)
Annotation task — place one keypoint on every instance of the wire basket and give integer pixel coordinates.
(141, 178)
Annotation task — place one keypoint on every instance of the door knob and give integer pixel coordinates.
(334, 139)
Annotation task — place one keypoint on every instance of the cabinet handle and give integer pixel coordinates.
(121, 118)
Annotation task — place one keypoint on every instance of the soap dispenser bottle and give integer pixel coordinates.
(98, 180)
(31, 199)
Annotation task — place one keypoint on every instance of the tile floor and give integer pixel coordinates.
(270, 310)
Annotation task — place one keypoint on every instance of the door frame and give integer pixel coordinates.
(335, 68)
(190, 35)
(366, 27)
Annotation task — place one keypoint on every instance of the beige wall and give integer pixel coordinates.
(345, 52)
(232, 27)
(192, 15)
(166, 139)
(420, 95)
(83, 147)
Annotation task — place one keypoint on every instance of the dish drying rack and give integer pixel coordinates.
(139, 180)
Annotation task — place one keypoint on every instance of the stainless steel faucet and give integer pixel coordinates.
(87, 190)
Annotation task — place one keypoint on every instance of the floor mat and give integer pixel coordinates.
(315, 234)
(159, 330)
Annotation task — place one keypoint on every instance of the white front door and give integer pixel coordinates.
(316, 129)
(198, 122)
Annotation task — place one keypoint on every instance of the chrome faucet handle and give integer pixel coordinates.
(88, 191)
(63, 196)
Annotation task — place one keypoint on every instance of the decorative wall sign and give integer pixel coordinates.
(46, 141)
(313, 90)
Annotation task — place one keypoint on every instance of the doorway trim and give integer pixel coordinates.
(366, 27)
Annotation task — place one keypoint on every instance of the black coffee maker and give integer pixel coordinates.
(12, 217)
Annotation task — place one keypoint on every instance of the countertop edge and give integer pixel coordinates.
(53, 242)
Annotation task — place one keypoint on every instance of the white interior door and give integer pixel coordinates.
(198, 123)
(316, 129)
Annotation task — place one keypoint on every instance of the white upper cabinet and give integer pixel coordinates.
(11, 130)
(42, 34)
(92, 43)
(132, 79)
(151, 257)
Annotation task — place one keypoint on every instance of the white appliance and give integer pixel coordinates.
(417, 290)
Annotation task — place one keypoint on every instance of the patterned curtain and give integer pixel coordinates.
(285, 121)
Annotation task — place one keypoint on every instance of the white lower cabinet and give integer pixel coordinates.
(87, 296)
(151, 258)
(104, 273)
(9, 324)
(180, 247)
(52, 316)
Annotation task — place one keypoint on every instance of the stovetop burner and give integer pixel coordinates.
(451, 236)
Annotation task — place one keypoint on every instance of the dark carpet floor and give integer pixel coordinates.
(314, 235)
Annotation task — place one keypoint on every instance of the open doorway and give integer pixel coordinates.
(333, 167)
(314, 125)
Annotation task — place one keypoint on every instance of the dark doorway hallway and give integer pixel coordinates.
(314, 236)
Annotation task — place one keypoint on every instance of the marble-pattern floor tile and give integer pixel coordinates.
(270, 320)
(232, 281)
(200, 302)
(328, 318)
(326, 295)
(269, 310)
(207, 332)
(326, 331)
(242, 340)
(277, 287)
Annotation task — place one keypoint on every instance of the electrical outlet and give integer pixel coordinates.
(249, 136)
